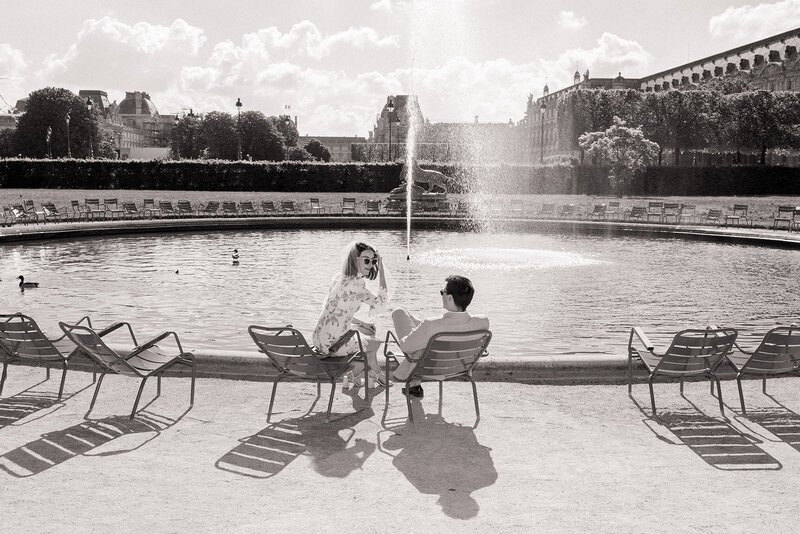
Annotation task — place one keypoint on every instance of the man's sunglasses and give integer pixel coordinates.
(367, 261)
(443, 292)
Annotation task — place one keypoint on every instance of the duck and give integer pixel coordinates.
(23, 283)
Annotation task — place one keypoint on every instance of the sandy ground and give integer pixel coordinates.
(541, 459)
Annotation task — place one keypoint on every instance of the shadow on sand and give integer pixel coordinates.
(57, 447)
(779, 420)
(713, 439)
(30, 401)
(328, 444)
(440, 458)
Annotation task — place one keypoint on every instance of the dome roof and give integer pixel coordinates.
(619, 78)
(137, 103)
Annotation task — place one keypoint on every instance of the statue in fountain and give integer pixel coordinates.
(425, 185)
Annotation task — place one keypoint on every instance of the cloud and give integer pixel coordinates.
(12, 61)
(612, 54)
(750, 23)
(568, 20)
(390, 6)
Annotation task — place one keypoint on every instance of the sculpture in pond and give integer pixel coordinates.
(425, 185)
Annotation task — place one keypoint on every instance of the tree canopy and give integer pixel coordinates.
(318, 150)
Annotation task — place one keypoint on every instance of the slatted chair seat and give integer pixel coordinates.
(129, 209)
(229, 208)
(210, 209)
(447, 356)
(348, 205)
(373, 207)
(268, 207)
(185, 209)
(143, 361)
(22, 339)
(290, 355)
(778, 353)
(692, 352)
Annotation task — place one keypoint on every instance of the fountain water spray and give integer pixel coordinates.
(411, 137)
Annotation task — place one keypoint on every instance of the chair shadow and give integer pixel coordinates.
(28, 402)
(780, 421)
(440, 458)
(57, 447)
(714, 440)
(269, 451)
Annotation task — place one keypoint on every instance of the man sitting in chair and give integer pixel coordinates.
(413, 335)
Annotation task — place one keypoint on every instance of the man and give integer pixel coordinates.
(413, 334)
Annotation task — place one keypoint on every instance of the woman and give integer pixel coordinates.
(347, 293)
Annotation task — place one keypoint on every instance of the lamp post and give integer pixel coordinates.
(390, 109)
(239, 129)
(397, 121)
(542, 110)
(177, 136)
(69, 152)
(91, 143)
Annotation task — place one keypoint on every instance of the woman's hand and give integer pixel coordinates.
(365, 328)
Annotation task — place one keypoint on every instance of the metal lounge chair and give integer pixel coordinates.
(637, 213)
(516, 208)
(111, 206)
(612, 210)
(165, 209)
(30, 208)
(373, 207)
(656, 210)
(51, 212)
(185, 209)
(778, 353)
(290, 355)
(460, 208)
(673, 210)
(19, 215)
(92, 208)
(737, 214)
(210, 209)
(22, 339)
(688, 212)
(785, 214)
(268, 207)
(129, 210)
(599, 212)
(149, 206)
(77, 210)
(229, 209)
(315, 208)
(548, 210)
(713, 215)
(348, 205)
(144, 361)
(567, 211)
(246, 208)
(693, 352)
(287, 206)
(447, 356)
(395, 207)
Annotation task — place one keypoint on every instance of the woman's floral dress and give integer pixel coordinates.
(346, 295)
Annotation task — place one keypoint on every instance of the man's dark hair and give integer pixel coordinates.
(461, 289)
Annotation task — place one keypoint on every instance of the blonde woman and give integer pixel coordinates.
(348, 291)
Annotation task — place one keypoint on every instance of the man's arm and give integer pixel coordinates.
(418, 338)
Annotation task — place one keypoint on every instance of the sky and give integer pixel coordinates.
(334, 62)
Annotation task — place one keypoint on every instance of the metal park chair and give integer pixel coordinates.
(612, 210)
(737, 214)
(516, 208)
(315, 208)
(693, 352)
(395, 207)
(19, 215)
(229, 209)
(598, 212)
(655, 209)
(713, 215)
(548, 210)
(143, 361)
(268, 207)
(567, 211)
(165, 209)
(92, 208)
(671, 209)
(287, 206)
(129, 210)
(111, 206)
(778, 353)
(51, 212)
(76, 209)
(637, 213)
(246, 208)
(290, 355)
(688, 212)
(348, 205)
(149, 206)
(209, 209)
(185, 209)
(373, 207)
(785, 214)
(447, 356)
(22, 339)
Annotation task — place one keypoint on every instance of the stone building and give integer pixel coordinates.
(771, 64)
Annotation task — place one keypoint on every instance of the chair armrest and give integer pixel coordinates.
(389, 337)
(639, 333)
(82, 319)
(155, 340)
(116, 326)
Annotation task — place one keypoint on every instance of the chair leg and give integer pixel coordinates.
(764, 384)
(97, 390)
(682, 386)
(652, 395)
(441, 393)
(741, 395)
(138, 396)
(475, 396)
(719, 390)
(408, 403)
(63, 378)
(47, 371)
(272, 397)
(387, 381)
(158, 386)
(330, 401)
(3, 377)
(194, 372)
(630, 374)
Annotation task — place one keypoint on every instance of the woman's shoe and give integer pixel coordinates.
(347, 381)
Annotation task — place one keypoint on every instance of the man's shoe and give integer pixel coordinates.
(414, 391)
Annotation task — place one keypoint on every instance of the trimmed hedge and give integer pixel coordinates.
(290, 176)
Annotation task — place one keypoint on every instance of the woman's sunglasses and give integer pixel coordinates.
(373, 261)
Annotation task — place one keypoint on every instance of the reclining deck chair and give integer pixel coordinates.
(144, 360)
(291, 355)
(448, 355)
(693, 352)
(22, 339)
(778, 353)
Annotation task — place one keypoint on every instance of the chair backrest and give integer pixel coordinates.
(785, 212)
(229, 206)
(267, 205)
(348, 203)
(111, 203)
(50, 209)
(149, 203)
(516, 206)
(567, 209)
(638, 211)
(394, 205)
(714, 213)
(373, 205)
(247, 205)
(694, 351)
(287, 205)
(92, 204)
(165, 205)
(314, 202)
(30, 206)
(688, 209)
(740, 209)
(21, 336)
(129, 207)
(778, 352)
(672, 208)
(599, 208)
(184, 205)
(451, 354)
(289, 352)
(655, 207)
(76, 206)
(613, 205)
(92, 344)
(548, 208)
(211, 207)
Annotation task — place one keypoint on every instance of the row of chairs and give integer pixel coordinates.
(701, 352)
(447, 355)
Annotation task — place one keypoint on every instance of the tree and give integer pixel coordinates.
(762, 120)
(7, 143)
(296, 153)
(285, 125)
(217, 134)
(261, 140)
(49, 107)
(186, 140)
(318, 150)
(726, 85)
(626, 149)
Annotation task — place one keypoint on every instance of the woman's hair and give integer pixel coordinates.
(350, 268)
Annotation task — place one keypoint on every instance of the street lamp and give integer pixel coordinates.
(542, 110)
(177, 136)
(69, 152)
(397, 121)
(91, 143)
(390, 109)
(239, 129)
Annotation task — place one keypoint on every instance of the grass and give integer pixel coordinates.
(761, 208)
